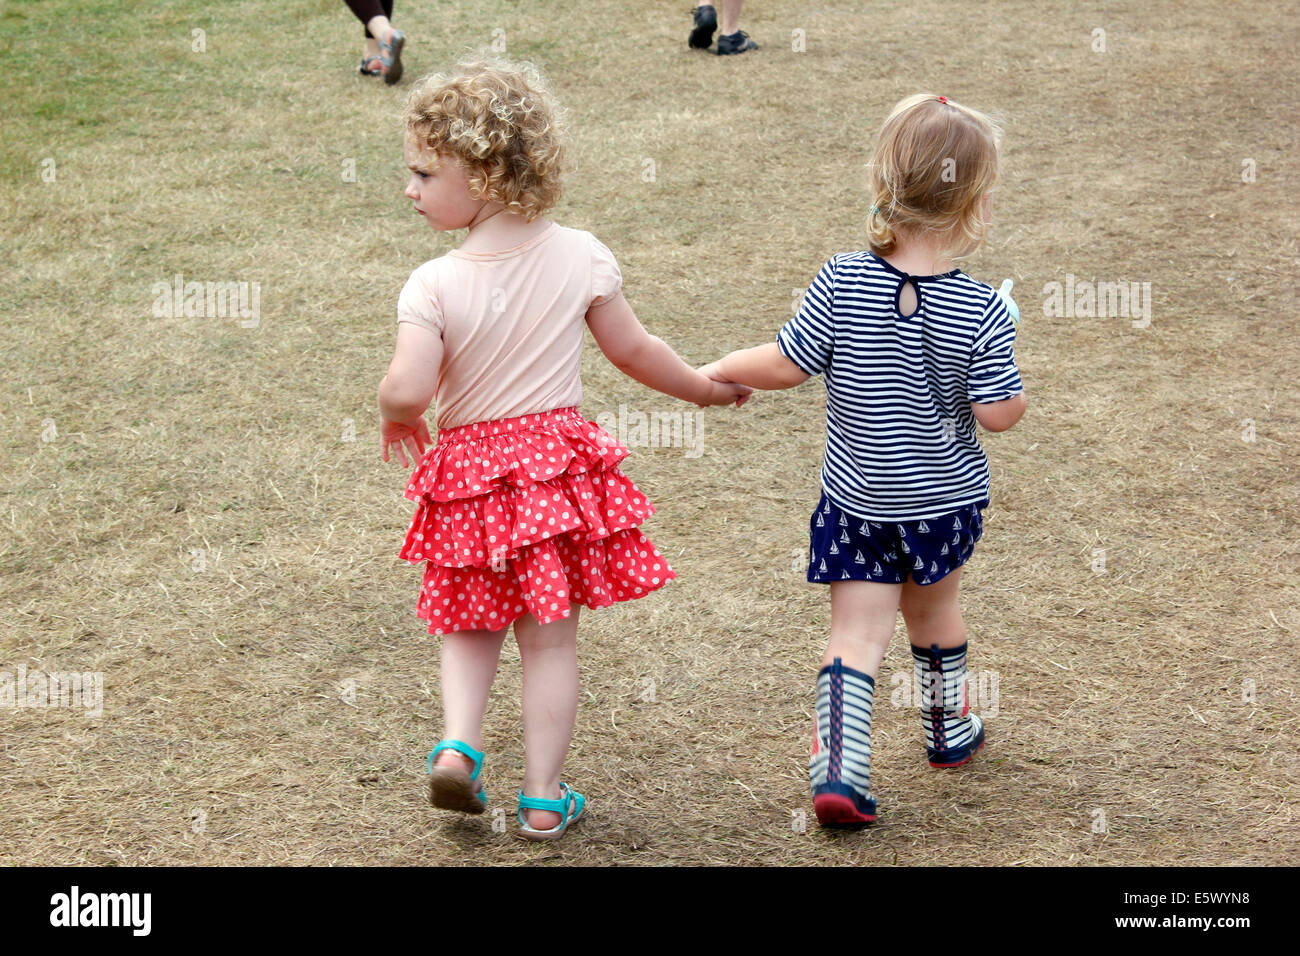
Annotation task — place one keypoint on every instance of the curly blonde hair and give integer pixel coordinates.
(934, 163)
(500, 120)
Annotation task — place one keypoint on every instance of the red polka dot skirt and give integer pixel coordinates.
(528, 514)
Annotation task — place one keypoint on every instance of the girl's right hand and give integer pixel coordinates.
(404, 438)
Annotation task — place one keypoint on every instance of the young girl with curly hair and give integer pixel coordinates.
(523, 512)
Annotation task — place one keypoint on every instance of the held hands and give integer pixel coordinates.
(724, 391)
(404, 438)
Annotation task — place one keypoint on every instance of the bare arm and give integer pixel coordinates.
(406, 391)
(760, 367)
(999, 416)
(650, 361)
(412, 378)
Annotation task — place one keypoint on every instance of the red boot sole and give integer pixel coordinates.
(837, 810)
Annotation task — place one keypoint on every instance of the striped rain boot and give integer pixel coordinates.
(841, 755)
(952, 733)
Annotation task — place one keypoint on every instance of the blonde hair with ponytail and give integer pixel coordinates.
(934, 162)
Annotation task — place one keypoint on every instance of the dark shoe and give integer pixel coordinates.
(737, 42)
(390, 53)
(706, 21)
(371, 66)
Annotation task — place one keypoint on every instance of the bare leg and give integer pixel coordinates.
(469, 665)
(378, 27)
(376, 15)
(863, 614)
(730, 16)
(933, 614)
(549, 653)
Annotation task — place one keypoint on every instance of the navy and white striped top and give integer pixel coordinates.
(900, 434)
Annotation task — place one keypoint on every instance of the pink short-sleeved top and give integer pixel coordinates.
(511, 322)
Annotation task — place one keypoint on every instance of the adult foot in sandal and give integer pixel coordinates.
(383, 42)
(390, 54)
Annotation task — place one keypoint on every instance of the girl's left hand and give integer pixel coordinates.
(404, 438)
(742, 392)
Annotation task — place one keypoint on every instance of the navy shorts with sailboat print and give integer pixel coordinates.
(847, 548)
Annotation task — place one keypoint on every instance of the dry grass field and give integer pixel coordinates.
(195, 507)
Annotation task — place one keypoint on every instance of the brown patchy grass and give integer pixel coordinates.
(1120, 691)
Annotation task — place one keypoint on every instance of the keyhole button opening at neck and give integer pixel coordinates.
(908, 299)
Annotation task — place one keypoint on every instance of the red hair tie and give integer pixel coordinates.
(943, 99)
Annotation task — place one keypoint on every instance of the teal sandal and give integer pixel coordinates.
(451, 788)
(569, 806)
(390, 55)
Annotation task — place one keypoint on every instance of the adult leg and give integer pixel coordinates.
(731, 16)
(386, 7)
(372, 13)
(376, 13)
